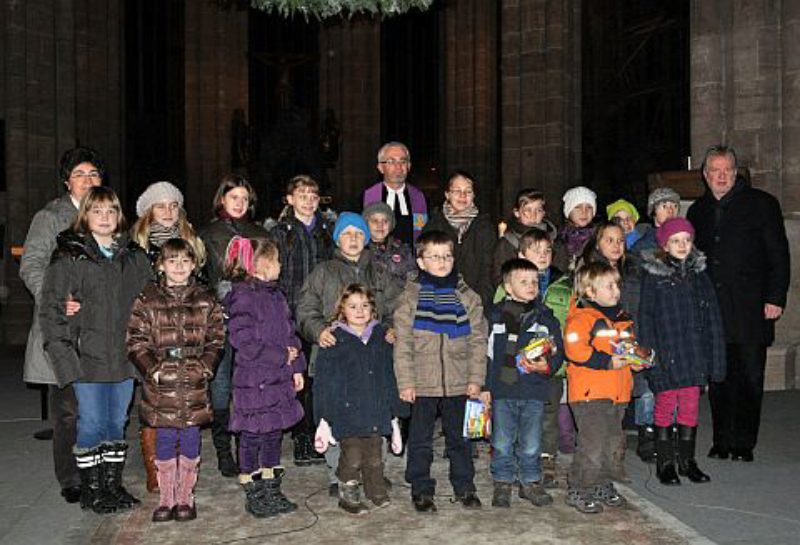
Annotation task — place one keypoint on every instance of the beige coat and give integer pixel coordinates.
(433, 364)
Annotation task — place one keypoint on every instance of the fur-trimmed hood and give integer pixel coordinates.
(658, 263)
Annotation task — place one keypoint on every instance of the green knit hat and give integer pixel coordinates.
(622, 204)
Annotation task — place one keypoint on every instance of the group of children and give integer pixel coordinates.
(378, 351)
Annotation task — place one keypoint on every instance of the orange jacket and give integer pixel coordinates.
(588, 335)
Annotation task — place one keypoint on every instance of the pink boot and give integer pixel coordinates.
(166, 474)
(184, 491)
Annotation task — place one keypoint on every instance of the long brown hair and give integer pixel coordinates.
(96, 195)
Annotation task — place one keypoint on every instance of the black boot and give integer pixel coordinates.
(687, 465)
(302, 450)
(114, 455)
(222, 443)
(272, 478)
(665, 457)
(646, 449)
(93, 493)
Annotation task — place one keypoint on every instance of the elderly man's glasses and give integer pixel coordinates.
(395, 162)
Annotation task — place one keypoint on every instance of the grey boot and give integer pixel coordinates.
(350, 498)
(502, 494)
(535, 493)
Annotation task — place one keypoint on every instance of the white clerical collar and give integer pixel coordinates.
(397, 195)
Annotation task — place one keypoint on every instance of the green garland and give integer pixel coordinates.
(322, 9)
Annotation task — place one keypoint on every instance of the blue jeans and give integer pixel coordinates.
(102, 411)
(644, 401)
(517, 437)
(221, 384)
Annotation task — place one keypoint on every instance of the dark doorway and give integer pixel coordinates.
(154, 95)
(284, 104)
(410, 88)
(635, 94)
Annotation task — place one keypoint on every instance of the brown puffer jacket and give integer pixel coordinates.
(175, 339)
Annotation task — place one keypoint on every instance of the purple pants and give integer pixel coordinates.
(257, 450)
(566, 429)
(173, 441)
(685, 400)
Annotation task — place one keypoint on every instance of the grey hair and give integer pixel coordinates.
(393, 144)
(720, 150)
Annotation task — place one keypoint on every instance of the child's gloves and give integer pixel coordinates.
(397, 439)
(323, 437)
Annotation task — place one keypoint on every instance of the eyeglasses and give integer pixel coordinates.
(462, 192)
(93, 175)
(307, 197)
(439, 258)
(395, 162)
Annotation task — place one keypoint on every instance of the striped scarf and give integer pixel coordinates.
(160, 234)
(461, 220)
(439, 310)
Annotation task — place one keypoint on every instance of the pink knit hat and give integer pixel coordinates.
(673, 226)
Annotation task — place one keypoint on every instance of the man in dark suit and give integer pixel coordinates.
(741, 230)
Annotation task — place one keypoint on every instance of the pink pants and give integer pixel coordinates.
(685, 400)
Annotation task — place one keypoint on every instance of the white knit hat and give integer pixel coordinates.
(579, 195)
(157, 192)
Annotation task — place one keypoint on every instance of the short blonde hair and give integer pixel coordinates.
(588, 275)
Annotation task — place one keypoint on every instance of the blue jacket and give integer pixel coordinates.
(355, 390)
(680, 319)
(538, 322)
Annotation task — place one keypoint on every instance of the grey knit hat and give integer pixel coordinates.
(157, 192)
(379, 207)
(662, 194)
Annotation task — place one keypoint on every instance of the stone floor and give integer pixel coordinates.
(32, 512)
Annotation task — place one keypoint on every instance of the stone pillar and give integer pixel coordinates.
(790, 121)
(62, 64)
(746, 92)
(540, 98)
(470, 96)
(216, 84)
(350, 84)
(736, 84)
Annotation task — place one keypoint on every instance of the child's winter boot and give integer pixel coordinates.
(350, 498)
(273, 477)
(665, 457)
(646, 448)
(184, 490)
(114, 456)
(583, 501)
(166, 474)
(535, 493)
(687, 465)
(256, 501)
(93, 494)
(501, 497)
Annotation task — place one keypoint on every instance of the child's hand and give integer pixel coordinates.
(397, 437)
(72, 306)
(486, 398)
(637, 367)
(298, 381)
(408, 395)
(326, 338)
(292, 354)
(390, 336)
(155, 377)
(473, 391)
(618, 361)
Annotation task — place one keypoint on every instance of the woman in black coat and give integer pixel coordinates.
(474, 233)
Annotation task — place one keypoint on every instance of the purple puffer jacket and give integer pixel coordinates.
(260, 329)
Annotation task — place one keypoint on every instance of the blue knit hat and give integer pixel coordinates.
(350, 219)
